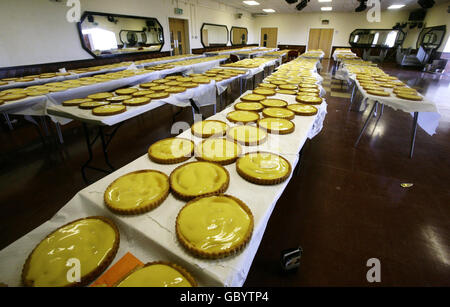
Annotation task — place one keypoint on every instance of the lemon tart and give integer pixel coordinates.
(264, 91)
(137, 192)
(159, 95)
(287, 92)
(161, 81)
(214, 227)
(171, 150)
(75, 102)
(195, 179)
(242, 117)
(378, 93)
(263, 168)
(253, 98)
(139, 101)
(267, 85)
(276, 125)
(278, 113)
(279, 103)
(160, 88)
(303, 109)
(409, 96)
(247, 135)
(100, 96)
(290, 87)
(12, 97)
(126, 91)
(208, 128)
(176, 89)
(107, 110)
(308, 90)
(218, 150)
(249, 106)
(158, 274)
(142, 93)
(120, 98)
(147, 85)
(92, 104)
(188, 85)
(306, 99)
(94, 241)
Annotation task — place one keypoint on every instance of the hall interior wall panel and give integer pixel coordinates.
(326, 41)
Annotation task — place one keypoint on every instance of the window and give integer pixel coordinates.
(375, 38)
(356, 38)
(101, 39)
(447, 45)
(390, 40)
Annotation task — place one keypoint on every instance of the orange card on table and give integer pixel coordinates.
(122, 267)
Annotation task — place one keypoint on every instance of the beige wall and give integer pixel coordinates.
(36, 31)
(294, 28)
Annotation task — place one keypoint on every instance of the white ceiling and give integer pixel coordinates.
(281, 6)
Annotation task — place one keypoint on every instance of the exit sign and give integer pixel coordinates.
(178, 11)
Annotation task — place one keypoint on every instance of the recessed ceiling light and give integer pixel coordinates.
(325, 0)
(326, 8)
(269, 10)
(251, 2)
(395, 6)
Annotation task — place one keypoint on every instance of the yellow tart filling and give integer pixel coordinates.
(158, 95)
(253, 97)
(198, 178)
(274, 103)
(88, 240)
(136, 190)
(218, 150)
(247, 134)
(214, 224)
(275, 124)
(92, 104)
(308, 99)
(209, 127)
(243, 116)
(137, 101)
(264, 91)
(119, 98)
(302, 108)
(100, 96)
(75, 102)
(278, 112)
(249, 106)
(112, 108)
(171, 148)
(155, 275)
(264, 166)
(126, 91)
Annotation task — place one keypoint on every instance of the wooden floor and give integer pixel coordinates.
(345, 207)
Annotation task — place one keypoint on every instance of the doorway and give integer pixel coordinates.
(321, 39)
(179, 36)
(269, 37)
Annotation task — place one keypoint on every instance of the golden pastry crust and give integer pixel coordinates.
(295, 108)
(233, 114)
(264, 91)
(244, 142)
(306, 99)
(199, 155)
(182, 196)
(91, 276)
(170, 160)
(202, 134)
(378, 93)
(100, 96)
(119, 98)
(12, 97)
(92, 104)
(409, 96)
(259, 180)
(159, 95)
(75, 102)
(289, 114)
(139, 101)
(273, 102)
(142, 209)
(253, 98)
(224, 253)
(273, 130)
(249, 106)
(287, 92)
(126, 91)
(174, 266)
(115, 109)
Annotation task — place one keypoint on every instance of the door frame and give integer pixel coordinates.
(332, 40)
(187, 34)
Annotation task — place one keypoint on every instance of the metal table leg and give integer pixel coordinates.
(413, 135)
(105, 141)
(366, 123)
(8, 121)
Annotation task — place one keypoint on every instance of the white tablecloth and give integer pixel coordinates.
(151, 236)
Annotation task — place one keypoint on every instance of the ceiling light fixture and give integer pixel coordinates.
(251, 2)
(325, 0)
(395, 6)
(269, 10)
(326, 8)
(362, 6)
(291, 1)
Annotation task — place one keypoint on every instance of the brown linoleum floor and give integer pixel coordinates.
(345, 206)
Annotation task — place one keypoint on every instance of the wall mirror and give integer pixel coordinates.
(385, 38)
(431, 38)
(214, 35)
(239, 36)
(105, 34)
